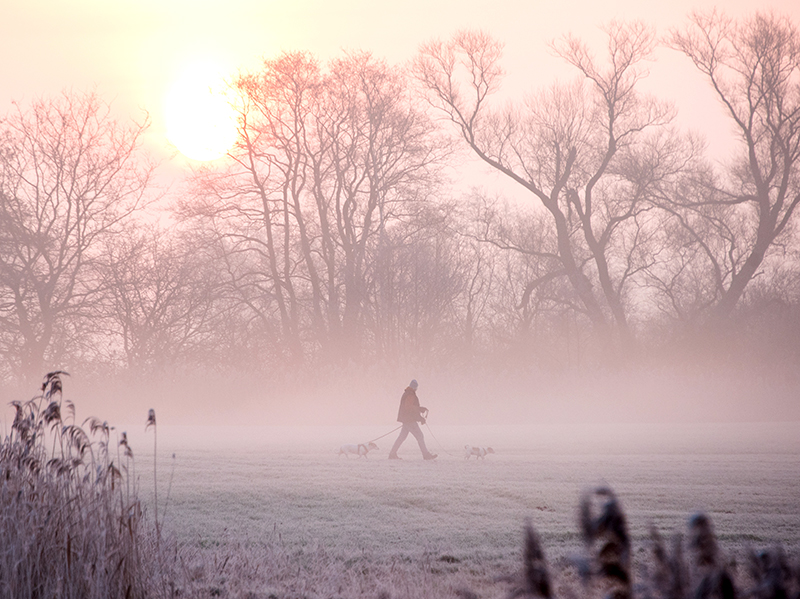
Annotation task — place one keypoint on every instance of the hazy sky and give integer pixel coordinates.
(132, 50)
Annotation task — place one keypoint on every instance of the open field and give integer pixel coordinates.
(286, 487)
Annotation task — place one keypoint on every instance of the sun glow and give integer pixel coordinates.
(200, 120)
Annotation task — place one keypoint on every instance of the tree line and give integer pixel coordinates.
(334, 233)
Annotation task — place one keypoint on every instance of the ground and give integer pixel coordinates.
(285, 491)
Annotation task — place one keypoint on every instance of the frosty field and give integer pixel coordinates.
(287, 486)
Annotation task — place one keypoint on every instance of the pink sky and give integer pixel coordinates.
(132, 50)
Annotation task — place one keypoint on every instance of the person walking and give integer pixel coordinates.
(410, 414)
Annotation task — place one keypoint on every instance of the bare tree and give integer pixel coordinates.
(382, 155)
(162, 289)
(254, 208)
(277, 103)
(569, 147)
(736, 220)
(326, 160)
(69, 176)
(416, 283)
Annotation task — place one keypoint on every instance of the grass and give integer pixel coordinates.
(259, 512)
(285, 491)
(305, 491)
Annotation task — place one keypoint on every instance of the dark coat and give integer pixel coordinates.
(409, 407)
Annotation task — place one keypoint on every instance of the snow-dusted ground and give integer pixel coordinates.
(286, 484)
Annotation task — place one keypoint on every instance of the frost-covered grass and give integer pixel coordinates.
(282, 496)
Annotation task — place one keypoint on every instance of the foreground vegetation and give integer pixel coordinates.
(75, 521)
(72, 522)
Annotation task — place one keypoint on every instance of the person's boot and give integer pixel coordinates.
(394, 456)
(431, 456)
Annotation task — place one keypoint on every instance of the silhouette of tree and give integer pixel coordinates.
(69, 176)
(327, 160)
(737, 219)
(163, 288)
(572, 147)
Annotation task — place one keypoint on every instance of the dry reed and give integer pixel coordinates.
(72, 524)
(606, 569)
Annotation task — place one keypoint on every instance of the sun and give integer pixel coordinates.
(200, 120)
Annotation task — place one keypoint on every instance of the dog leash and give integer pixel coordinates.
(401, 426)
(386, 435)
(428, 426)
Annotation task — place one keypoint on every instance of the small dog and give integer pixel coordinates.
(360, 450)
(478, 452)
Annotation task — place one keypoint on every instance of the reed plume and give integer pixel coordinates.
(670, 578)
(773, 578)
(606, 537)
(715, 581)
(535, 574)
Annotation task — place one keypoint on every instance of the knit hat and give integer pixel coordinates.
(414, 384)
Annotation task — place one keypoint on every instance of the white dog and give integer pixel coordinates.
(360, 450)
(478, 452)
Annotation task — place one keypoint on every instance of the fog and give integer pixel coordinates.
(608, 269)
(370, 400)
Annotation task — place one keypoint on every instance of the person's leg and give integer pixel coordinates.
(400, 438)
(415, 430)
